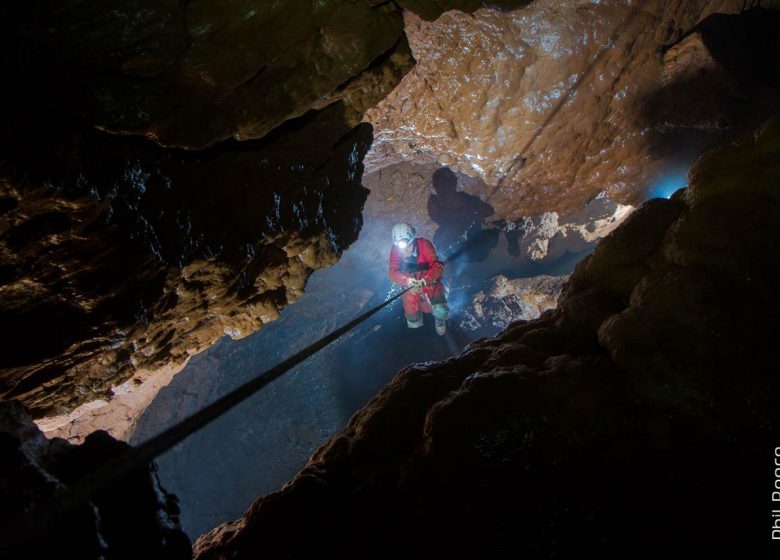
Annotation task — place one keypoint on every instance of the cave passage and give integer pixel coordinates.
(260, 444)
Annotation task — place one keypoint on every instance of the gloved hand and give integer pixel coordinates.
(416, 285)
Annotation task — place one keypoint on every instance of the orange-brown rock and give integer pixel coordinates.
(518, 299)
(557, 101)
(118, 255)
(637, 419)
(191, 74)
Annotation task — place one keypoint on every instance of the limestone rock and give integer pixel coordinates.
(194, 73)
(432, 10)
(119, 256)
(520, 299)
(405, 192)
(557, 101)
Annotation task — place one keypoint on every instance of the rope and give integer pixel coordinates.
(136, 458)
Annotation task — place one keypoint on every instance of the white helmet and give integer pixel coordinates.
(403, 233)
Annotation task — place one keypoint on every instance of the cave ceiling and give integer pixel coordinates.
(554, 103)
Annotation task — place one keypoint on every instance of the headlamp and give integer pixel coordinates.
(402, 244)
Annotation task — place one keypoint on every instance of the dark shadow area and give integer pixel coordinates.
(459, 216)
(746, 45)
(720, 81)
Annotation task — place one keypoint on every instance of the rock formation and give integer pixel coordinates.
(83, 211)
(508, 301)
(637, 419)
(404, 192)
(133, 518)
(133, 257)
(553, 103)
(193, 74)
(119, 256)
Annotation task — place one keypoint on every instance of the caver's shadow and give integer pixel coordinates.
(459, 216)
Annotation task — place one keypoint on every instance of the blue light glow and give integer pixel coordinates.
(666, 186)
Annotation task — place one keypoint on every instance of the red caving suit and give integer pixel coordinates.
(423, 263)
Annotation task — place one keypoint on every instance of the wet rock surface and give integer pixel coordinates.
(555, 102)
(118, 255)
(508, 301)
(257, 447)
(638, 418)
(133, 518)
(191, 74)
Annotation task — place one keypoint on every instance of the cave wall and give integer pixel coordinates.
(406, 191)
(133, 517)
(134, 257)
(194, 73)
(113, 250)
(190, 74)
(124, 247)
(555, 102)
(639, 418)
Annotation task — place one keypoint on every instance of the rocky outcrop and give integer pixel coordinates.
(119, 256)
(508, 301)
(133, 518)
(549, 235)
(118, 413)
(636, 419)
(191, 74)
(558, 101)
